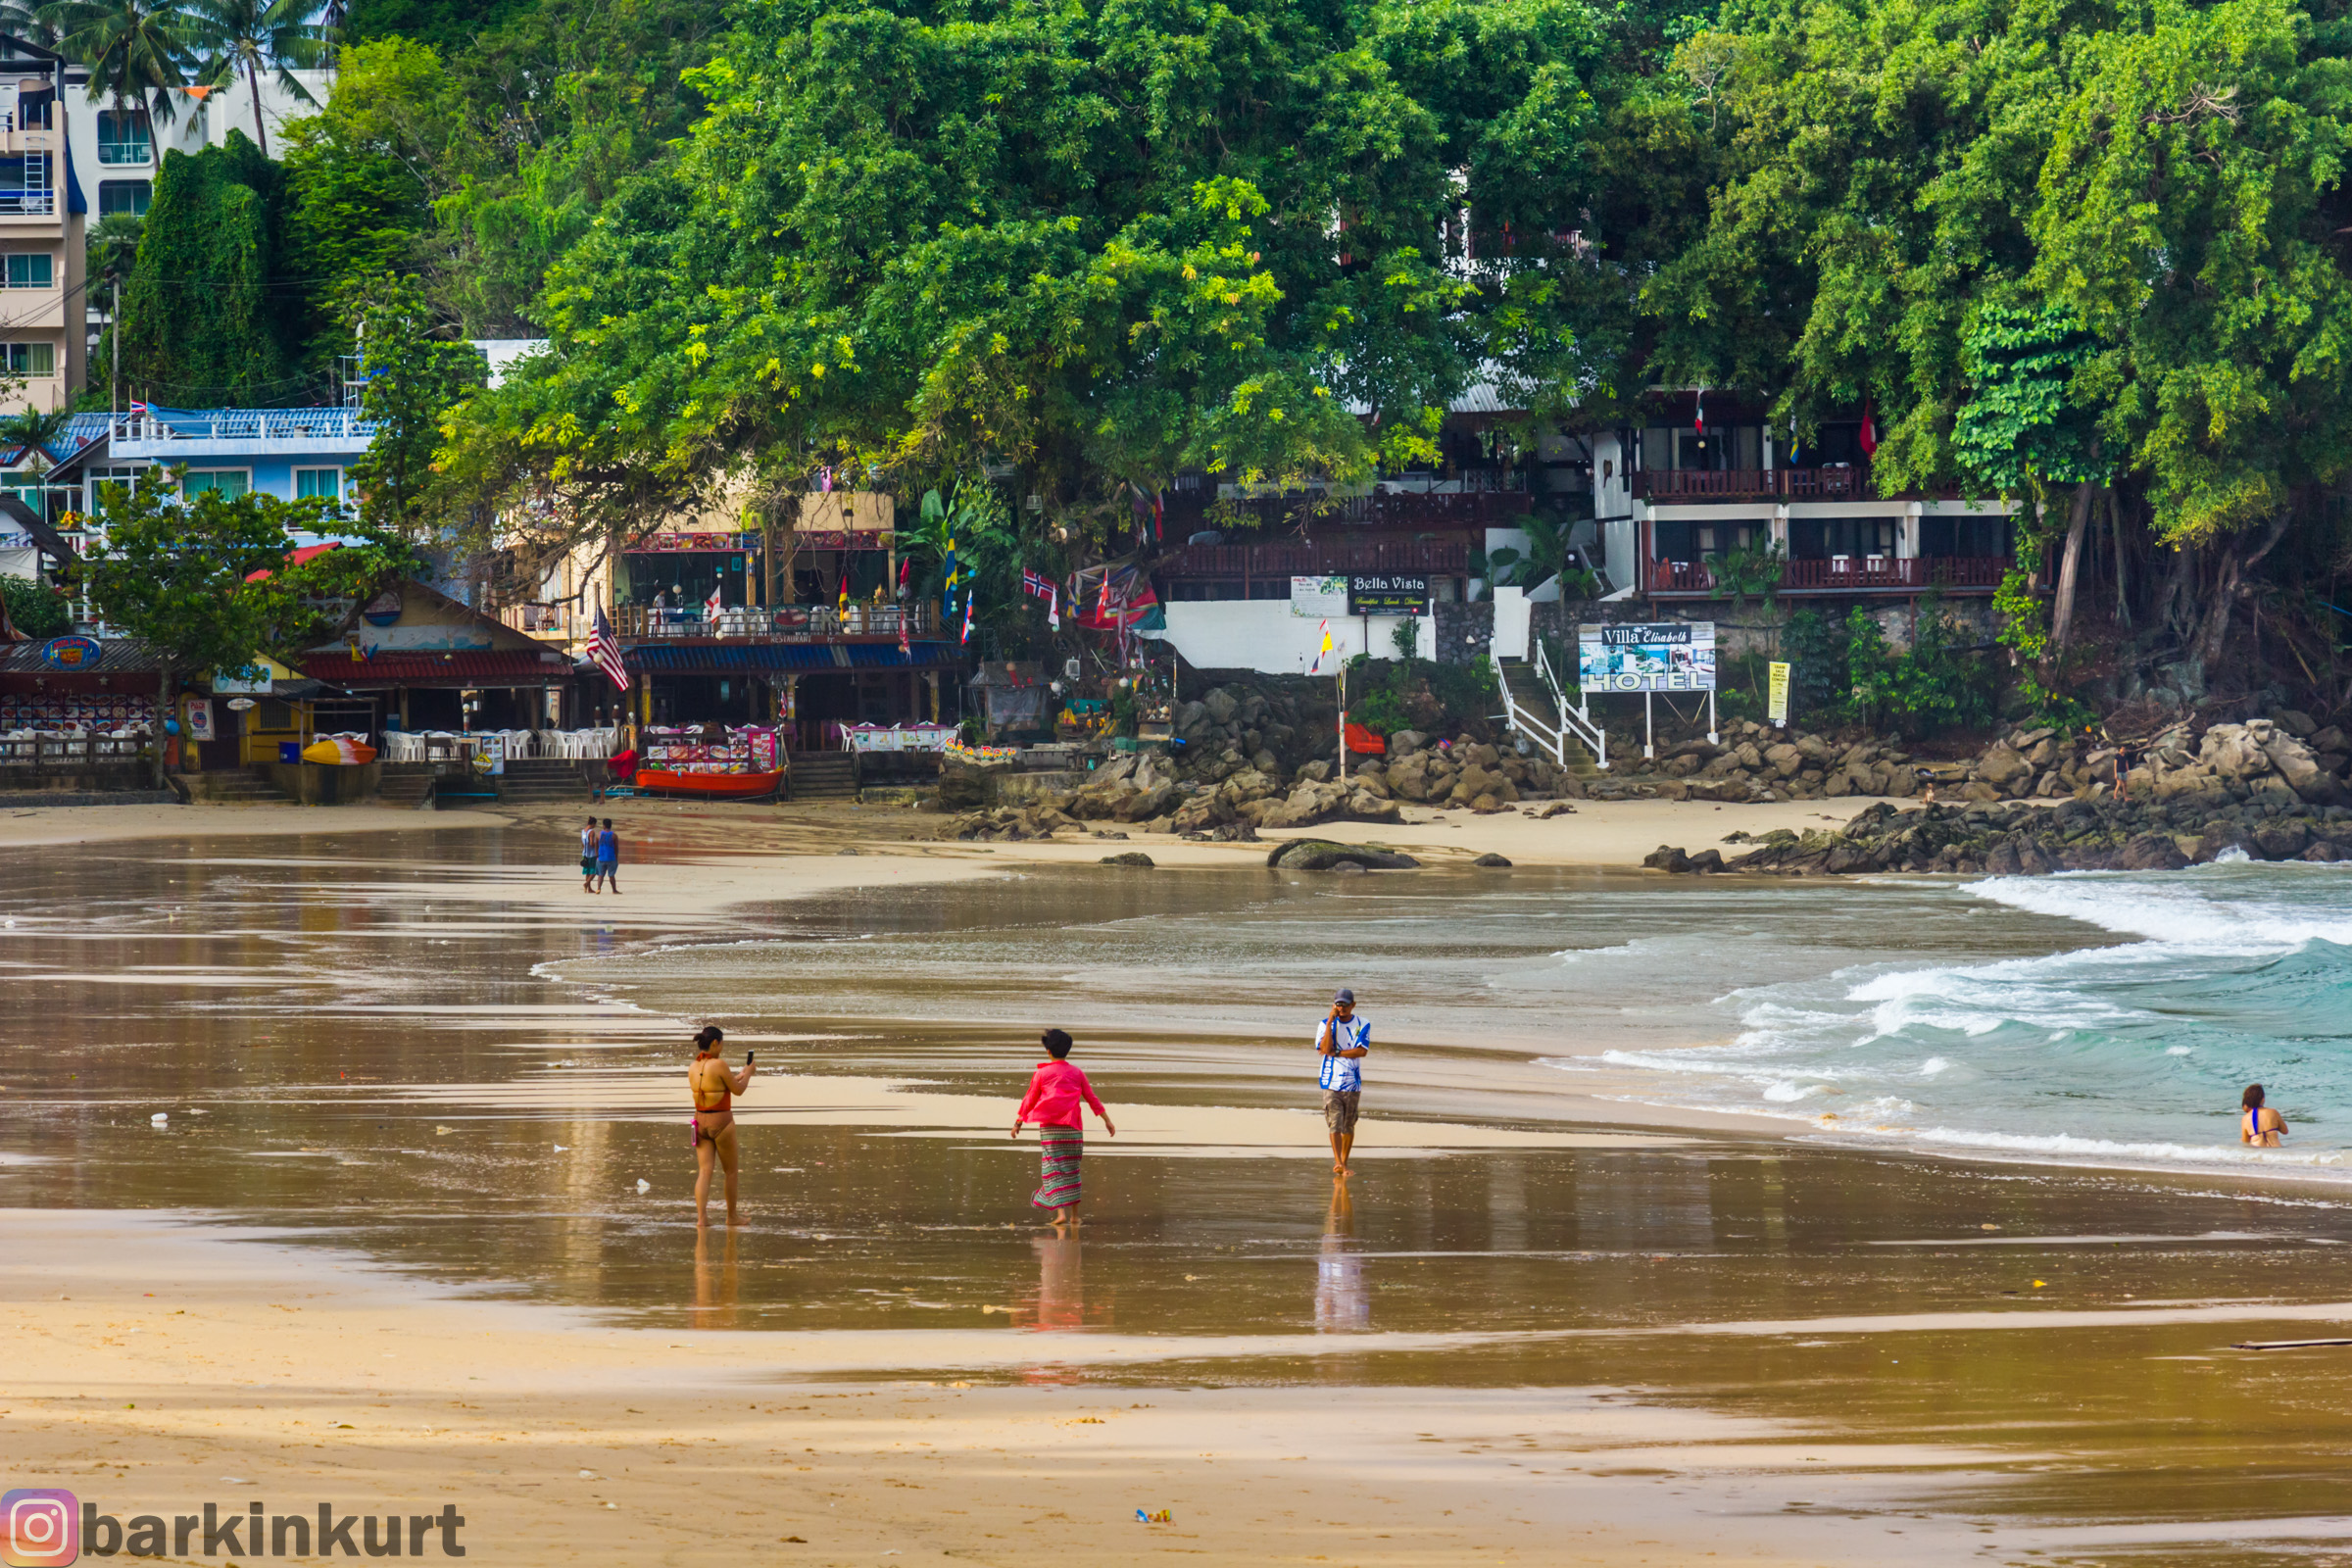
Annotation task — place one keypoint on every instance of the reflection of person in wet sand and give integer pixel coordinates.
(1059, 1094)
(715, 1091)
(2260, 1126)
(1061, 1300)
(713, 1287)
(1342, 1304)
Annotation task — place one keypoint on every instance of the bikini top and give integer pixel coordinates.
(726, 1096)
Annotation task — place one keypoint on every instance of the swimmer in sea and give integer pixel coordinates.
(2259, 1126)
(715, 1091)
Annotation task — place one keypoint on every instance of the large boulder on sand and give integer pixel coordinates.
(2002, 765)
(1320, 855)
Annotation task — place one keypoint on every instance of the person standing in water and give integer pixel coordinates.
(2258, 1125)
(1056, 1102)
(1341, 1040)
(588, 856)
(715, 1089)
(608, 858)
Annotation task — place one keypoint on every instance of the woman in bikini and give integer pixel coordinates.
(715, 1091)
(2258, 1124)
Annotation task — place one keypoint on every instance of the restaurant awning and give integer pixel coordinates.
(466, 671)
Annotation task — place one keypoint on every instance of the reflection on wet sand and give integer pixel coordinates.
(1342, 1305)
(714, 1285)
(428, 1065)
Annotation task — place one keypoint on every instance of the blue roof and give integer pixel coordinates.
(696, 658)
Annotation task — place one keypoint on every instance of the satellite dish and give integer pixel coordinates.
(1069, 668)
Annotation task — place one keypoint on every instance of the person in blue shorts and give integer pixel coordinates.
(608, 858)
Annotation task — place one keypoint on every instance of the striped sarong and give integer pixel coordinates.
(1058, 1150)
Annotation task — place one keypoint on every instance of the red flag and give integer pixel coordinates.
(1870, 432)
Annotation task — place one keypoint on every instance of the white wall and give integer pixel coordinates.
(1512, 619)
(1263, 635)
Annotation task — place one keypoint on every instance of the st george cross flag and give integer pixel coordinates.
(1054, 606)
(1317, 668)
(605, 653)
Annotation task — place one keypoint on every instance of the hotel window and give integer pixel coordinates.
(122, 136)
(323, 485)
(33, 360)
(124, 196)
(229, 482)
(31, 269)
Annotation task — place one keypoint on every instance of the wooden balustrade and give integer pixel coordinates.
(784, 623)
(1903, 574)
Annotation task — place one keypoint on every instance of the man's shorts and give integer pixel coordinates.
(1339, 1110)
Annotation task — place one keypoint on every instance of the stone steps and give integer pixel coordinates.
(823, 776)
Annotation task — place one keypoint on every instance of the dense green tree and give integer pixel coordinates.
(411, 373)
(1097, 242)
(137, 51)
(208, 315)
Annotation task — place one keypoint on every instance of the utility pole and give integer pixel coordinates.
(114, 396)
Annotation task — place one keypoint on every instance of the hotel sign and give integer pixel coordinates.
(1388, 593)
(1675, 656)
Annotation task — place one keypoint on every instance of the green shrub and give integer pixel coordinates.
(34, 608)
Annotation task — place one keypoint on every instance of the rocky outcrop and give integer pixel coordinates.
(2016, 839)
(1317, 855)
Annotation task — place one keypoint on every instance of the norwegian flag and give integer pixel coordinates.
(1037, 583)
(604, 651)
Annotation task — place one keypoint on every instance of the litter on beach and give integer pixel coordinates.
(2285, 1344)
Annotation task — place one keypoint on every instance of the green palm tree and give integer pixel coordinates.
(137, 51)
(248, 38)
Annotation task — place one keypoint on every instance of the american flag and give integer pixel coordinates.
(605, 651)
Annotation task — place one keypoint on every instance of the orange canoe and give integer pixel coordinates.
(719, 785)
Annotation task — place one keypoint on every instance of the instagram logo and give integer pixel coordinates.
(40, 1528)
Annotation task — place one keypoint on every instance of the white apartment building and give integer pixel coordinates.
(118, 151)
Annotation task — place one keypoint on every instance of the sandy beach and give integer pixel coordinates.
(415, 1230)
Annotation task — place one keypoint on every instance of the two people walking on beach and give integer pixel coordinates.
(1059, 1093)
(599, 856)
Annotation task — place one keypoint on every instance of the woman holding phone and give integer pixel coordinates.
(715, 1089)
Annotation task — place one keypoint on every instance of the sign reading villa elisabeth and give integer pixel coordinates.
(1674, 655)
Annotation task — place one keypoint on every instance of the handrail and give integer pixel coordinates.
(1579, 718)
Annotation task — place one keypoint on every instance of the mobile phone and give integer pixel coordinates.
(748, 1056)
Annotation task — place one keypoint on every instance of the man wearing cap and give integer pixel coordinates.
(1341, 1040)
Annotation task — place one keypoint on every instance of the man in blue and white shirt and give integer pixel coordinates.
(1341, 1040)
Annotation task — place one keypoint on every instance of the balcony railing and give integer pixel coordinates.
(142, 151)
(28, 203)
(786, 624)
(1315, 558)
(1848, 574)
(1725, 484)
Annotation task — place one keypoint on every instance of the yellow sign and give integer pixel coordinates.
(1776, 701)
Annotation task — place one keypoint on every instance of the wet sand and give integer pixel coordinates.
(411, 1081)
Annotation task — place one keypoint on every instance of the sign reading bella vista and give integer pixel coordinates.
(1388, 593)
(1675, 656)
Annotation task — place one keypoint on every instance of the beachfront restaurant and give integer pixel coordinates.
(812, 690)
(417, 661)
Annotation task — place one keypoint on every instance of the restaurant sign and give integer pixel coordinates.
(70, 652)
(1319, 598)
(1675, 656)
(1388, 593)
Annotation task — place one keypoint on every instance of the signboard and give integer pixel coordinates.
(383, 610)
(1388, 593)
(1319, 598)
(70, 652)
(253, 679)
(1674, 655)
(196, 718)
(1777, 695)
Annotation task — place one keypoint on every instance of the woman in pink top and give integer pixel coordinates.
(1057, 1094)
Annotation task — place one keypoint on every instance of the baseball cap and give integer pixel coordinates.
(1342, 995)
